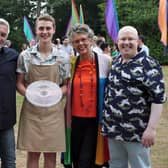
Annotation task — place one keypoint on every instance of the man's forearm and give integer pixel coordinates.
(156, 110)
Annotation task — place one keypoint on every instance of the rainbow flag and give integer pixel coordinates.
(74, 18)
(163, 20)
(27, 30)
(81, 15)
(111, 19)
(74, 14)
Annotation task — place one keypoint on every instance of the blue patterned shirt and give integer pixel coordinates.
(131, 89)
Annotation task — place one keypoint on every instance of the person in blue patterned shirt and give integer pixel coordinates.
(134, 94)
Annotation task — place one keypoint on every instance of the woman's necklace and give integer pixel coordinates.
(91, 73)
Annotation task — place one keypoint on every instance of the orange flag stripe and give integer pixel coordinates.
(162, 20)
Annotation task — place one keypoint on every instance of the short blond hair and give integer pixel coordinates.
(46, 17)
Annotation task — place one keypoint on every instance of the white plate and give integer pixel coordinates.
(43, 93)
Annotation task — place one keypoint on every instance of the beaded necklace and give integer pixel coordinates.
(91, 73)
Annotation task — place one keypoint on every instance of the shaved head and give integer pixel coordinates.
(128, 29)
(128, 42)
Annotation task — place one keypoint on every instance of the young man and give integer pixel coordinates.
(41, 130)
(133, 101)
(8, 62)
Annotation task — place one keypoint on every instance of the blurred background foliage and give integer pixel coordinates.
(139, 13)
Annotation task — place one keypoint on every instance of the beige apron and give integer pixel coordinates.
(42, 129)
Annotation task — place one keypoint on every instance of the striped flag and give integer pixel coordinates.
(111, 19)
(81, 15)
(74, 14)
(163, 20)
(74, 18)
(27, 31)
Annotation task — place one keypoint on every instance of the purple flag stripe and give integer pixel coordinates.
(111, 20)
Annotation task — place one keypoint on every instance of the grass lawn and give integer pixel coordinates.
(159, 152)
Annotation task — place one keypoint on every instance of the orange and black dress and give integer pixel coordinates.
(84, 110)
(84, 114)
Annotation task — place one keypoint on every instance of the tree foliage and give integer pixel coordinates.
(143, 15)
(14, 10)
(139, 13)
